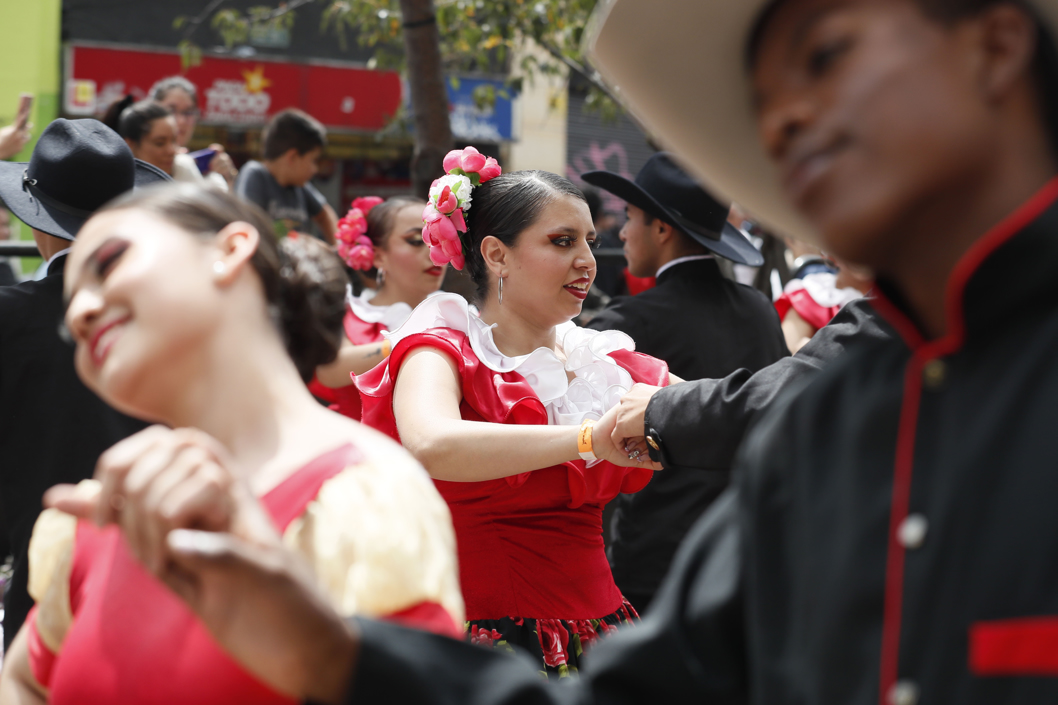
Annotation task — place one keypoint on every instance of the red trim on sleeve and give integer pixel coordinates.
(41, 658)
(1015, 647)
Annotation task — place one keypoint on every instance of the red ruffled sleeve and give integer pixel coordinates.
(506, 398)
(801, 301)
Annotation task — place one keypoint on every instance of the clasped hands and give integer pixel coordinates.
(619, 435)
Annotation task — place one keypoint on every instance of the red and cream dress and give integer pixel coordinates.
(816, 298)
(104, 630)
(364, 323)
(531, 557)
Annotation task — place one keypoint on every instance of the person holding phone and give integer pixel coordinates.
(15, 136)
(216, 168)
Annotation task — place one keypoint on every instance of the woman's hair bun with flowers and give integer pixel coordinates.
(449, 199)
(354, 246)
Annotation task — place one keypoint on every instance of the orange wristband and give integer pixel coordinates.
(387, 347)
(584, 440)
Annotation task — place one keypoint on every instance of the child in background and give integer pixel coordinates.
(293, 143)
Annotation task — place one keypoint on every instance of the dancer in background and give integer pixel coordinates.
(384, 237)
(812, 298)
(188, 311)
(508, 411)
(149, 129)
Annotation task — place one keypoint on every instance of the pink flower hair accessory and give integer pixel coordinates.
(450, 198)
(354, 246)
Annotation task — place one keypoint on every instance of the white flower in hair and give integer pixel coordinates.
(460, 185)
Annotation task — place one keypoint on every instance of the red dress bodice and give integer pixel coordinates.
(529, 545)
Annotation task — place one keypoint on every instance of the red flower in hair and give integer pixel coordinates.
(364, 204)
(354, 246)
(490, 171)
(449, 198)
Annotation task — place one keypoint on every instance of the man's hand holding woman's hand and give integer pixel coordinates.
(611, 442)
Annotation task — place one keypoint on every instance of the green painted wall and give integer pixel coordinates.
(30, 55)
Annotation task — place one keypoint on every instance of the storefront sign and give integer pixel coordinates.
(234, 91)
(469, 122)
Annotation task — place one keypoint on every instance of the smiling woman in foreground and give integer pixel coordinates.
(187, 311)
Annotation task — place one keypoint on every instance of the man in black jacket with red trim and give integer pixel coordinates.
(891, 535)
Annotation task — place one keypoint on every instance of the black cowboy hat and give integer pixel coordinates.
(76, 167)
(665, 191)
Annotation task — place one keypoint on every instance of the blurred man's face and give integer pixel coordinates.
(5, 224)
(870, 110)
(640, 247)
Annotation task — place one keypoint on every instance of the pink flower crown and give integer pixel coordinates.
(354, 246)
(450, 199)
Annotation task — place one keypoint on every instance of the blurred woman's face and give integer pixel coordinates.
(142, 302)
(183, 108)
(551, 266)
(406, 259)
(158, 146)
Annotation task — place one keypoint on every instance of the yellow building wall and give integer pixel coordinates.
(29, 63)
(540, 123)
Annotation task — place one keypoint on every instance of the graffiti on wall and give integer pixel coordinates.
(613, 157)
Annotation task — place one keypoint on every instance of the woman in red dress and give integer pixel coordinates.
(404, 275)
(526, 488)
(187, 311)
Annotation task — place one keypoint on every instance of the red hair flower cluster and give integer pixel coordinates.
(354, 246)
(449, 199)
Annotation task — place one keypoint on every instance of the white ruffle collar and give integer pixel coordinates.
(599, 383)
(823, 288)
(391, 317)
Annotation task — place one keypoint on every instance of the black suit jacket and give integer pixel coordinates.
(704, 326)
(701, 424)
(52, 428)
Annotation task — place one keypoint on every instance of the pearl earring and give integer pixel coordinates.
(219, 268)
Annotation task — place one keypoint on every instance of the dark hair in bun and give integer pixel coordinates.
(504, 207)
(304, 282)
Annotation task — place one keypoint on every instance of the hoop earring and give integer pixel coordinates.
(380, 278)
(501, 290)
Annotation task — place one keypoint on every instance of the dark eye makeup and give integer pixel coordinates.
(106, 256)
(569, 240)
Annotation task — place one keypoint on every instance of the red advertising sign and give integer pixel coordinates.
(235, 91)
